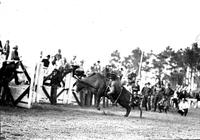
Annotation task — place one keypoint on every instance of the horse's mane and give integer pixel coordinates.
(96, 74)
(86, 80)
(92, 74)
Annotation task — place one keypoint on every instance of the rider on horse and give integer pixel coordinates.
(115, 86)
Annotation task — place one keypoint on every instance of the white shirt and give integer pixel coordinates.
(183, 105)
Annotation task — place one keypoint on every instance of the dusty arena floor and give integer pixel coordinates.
(73, 122)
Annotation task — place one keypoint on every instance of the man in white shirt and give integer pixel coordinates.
(183, 107)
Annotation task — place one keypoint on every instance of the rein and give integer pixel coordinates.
(118, 96)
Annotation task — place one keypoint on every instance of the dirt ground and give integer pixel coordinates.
(73, 122)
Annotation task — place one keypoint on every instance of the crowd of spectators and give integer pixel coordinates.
(5, 52)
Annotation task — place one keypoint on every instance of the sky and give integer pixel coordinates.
(93, 29)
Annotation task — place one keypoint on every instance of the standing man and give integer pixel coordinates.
(6, 50)
(158, 95)
(135, 89)
(146, 92)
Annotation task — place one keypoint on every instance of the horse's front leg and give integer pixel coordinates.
(140, 108)
(98, 99)
(128, 110)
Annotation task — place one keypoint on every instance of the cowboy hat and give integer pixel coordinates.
(16, 47)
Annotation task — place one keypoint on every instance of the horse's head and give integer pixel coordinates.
(79, 85)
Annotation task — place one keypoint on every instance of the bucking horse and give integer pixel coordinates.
(98, 84)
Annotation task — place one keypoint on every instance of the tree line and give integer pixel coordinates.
(172, 65)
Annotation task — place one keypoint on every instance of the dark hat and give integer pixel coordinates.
(112, 76)
(147, 83)
(16, 47)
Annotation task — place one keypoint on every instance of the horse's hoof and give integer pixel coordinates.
(125, 115)
(98, 108)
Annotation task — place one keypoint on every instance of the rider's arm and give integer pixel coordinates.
(112, 88)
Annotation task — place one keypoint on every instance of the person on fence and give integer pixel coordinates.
(46, 61)
(74, 65)
(183, 107)
(79, 72)
(6, 49)
(58, 56)
(15, 54)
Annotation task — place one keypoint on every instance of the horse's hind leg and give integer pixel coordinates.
(98, 102)
(140, 108)
(128, 110)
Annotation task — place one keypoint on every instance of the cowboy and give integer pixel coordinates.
(115, 87)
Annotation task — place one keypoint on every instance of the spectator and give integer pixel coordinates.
(59, 62)
(6, 49)
(136, 87)
(146, 92)
(94, 68)
(80, 71)
(183, 107)
(14, 54)
(58, 56)
(46, 61)
(73, 61)
(98, 67)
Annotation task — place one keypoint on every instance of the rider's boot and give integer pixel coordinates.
(112, 100)
(131, 101)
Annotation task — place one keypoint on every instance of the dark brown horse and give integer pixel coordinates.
(98, 84)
